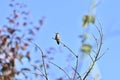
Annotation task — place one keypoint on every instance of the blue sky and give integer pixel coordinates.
(64, 16)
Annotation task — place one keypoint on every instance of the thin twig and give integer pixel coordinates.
(89, 70)
(98, 51)
(79, 76)
(91, 58)
(74, 77)
(35, 73)
(76, 56)
(43, 62)
(102, 54)
(94, 51)
(95, 40)
(101, 38)
(61, 70)
(76, 68)
(67, 48)
(38, 74)
(39, 70)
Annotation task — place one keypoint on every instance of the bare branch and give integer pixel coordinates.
(98, 51)
(43, 62)
(76, 68)
(102, 54)
(95, 40)
(61, 70)
(74, 77)
(68, 48)
(39, 70)
(91, 58)
(79, 76)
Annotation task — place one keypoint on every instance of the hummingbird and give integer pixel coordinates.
(57, 38)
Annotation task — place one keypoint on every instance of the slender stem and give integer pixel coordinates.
(89, 70)
(74, 77)
(39, 70)
(61, 70)
(43, 62)
(98, 52)
(69, 49)
(95, 40)
(102, 54)
(91, 58)
(76, 56)
(79, 76)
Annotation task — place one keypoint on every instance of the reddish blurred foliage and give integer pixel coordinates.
(12, 44)
(11, 30)
(60, 78)
(28, 55)
(37, 28)
(41, 20)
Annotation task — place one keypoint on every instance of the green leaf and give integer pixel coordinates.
(86, 35)
(91, 19)
(88, 19)
(86, 48)
(85, 21)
